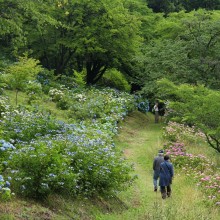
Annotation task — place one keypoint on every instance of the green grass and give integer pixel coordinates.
(140, 139)
(43, 103)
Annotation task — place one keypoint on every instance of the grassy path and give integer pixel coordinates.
(140, 139)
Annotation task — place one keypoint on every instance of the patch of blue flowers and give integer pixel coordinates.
(4, 146)
(77, 158)
(142, 104)
(5, 192)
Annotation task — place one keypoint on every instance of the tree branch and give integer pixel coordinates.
(216, 145)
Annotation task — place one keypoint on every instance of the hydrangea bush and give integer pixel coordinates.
(75, 158)
(3, 105)
(78, 160)
(99, 104)
(22, 125)
(199, 168)
(5, 192)
(5, 149)
(39, 169)
(56, 94)
(178, 132)
(142, 104)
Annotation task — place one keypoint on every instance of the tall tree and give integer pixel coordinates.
(185, 50)
(94, 35)
(11, 26)
(72, 34)
(190, 5)
(148, 19)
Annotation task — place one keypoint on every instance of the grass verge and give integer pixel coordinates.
(141, 139)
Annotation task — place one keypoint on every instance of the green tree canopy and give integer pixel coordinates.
(11, 26)
(70, 35)
(185, 49)
(194, 105)
(94, 35)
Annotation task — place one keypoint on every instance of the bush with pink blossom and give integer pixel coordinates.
(199, 168)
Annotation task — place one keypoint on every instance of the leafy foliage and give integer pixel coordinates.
(20, 73)
(5, 192)
(78, 158)
(115, 79)
(166, 6)
(184, 50)
(194, 105)
(200, 169)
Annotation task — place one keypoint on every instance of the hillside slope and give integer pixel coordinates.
(140, 139)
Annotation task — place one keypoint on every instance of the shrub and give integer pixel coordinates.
(47, 79)
(194, 105)
(115, 79)
(5, 147)
(22, 125)
(33, 86)
(74, 168)
(179, 132)
(142, 103)
(56, 94)
(63, 103)
(3, 105)
(198, 167)
(40, 169)
(5, 192)
(94, 103)
(34, 91)
(77, 159)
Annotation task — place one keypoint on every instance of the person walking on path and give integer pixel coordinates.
(156, 168)
(156, 112)
(166, 176)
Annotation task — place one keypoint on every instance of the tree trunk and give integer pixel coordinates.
(95, 72)
(210, 139)
(63, 60)
(16, 97)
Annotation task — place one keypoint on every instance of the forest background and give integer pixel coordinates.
(57, 62)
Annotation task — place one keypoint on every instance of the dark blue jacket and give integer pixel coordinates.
(166, 173)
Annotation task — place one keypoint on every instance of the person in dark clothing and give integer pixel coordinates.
(156, 168)
(166, 176)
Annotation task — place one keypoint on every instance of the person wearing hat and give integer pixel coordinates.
(156, 168)
(166, 176)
